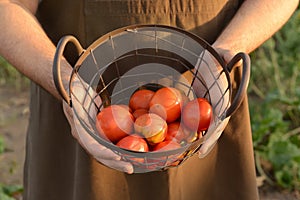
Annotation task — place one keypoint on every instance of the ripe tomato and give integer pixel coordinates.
(179, 133)
(175, 132)
(166, 145)
(152, 127)
(114, 122)
(140, 99)
(172, 160)
(167, 103)
(139, 112)
(197, 114)
(133, 142)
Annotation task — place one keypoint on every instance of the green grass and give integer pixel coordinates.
(274, 92)
(10, 76)
(7, 192)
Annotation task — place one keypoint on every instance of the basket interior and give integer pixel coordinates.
(116, 65)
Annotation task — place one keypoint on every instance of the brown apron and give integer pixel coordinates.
(58, 168)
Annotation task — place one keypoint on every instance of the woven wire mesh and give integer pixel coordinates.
(116, 65)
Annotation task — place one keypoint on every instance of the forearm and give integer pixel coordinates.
(26, 46)
(254, 23)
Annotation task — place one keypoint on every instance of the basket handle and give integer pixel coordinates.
(244, 81)
(56, 64)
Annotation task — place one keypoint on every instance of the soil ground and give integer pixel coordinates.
(14, 113)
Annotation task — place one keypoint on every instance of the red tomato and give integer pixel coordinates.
(139, 112)
(167, 103)
(166, 146)
(114, 122)
(152, 127)
(170, 160)
(175, 132)
(179, 133)
(140, 99)
(197, 114)
(133, 142)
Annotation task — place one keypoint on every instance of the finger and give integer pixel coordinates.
(227, 55)
(210, 142)
(205, 151)
(85, 104)
(81, 124)
(101, 152)
(96, 150)
(118, 165)
(104, 155)
(206, 147)
(91, 145)
(214, 133)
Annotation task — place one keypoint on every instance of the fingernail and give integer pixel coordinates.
(128, 169)
(201, 152)
(117, 157)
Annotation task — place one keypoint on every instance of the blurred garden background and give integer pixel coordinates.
(274, 98)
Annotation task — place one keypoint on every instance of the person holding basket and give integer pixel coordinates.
(61, 165)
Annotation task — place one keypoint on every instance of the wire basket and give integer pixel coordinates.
(151, 56)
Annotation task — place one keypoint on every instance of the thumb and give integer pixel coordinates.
(227, 55)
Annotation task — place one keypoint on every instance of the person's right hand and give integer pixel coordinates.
(218, 85)
(212, 79)
(98, 151)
